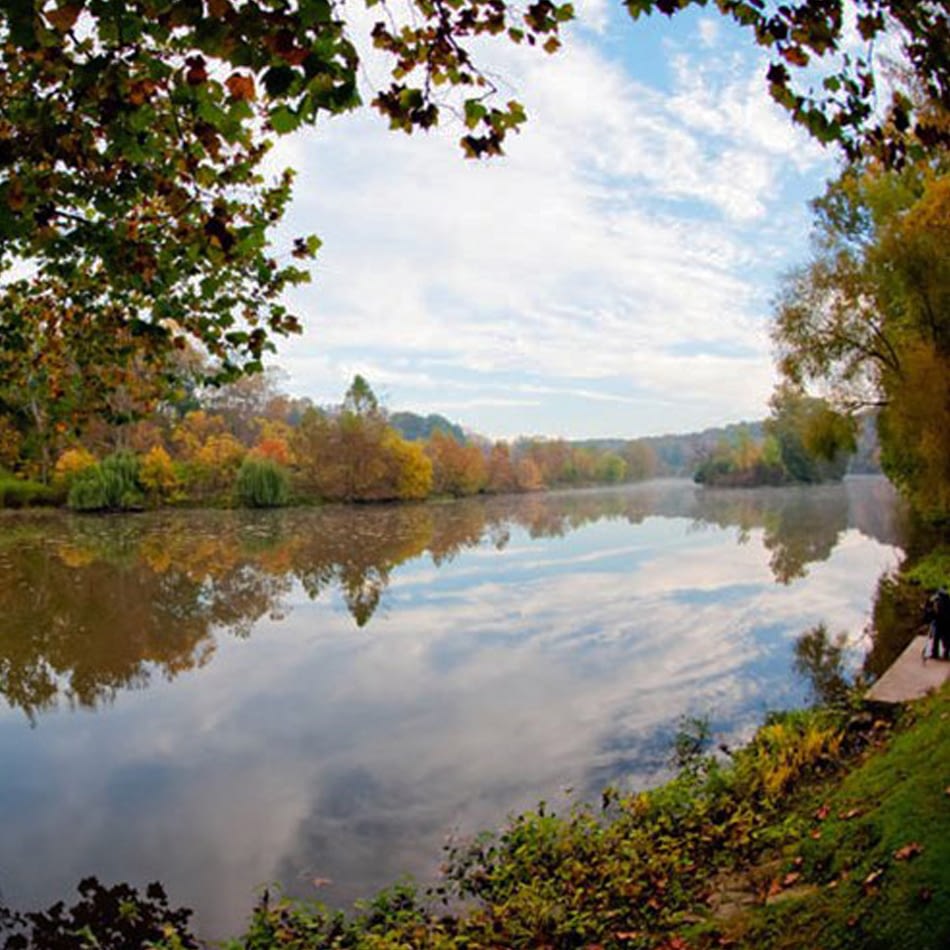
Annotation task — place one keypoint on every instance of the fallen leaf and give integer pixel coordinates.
(822, 813)
(908, 851)
(872, 878)
(790, 878)
(849, 814)
(816, 834)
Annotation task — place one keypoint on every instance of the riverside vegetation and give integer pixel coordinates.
(247, 444)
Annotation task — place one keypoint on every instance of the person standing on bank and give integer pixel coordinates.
(938, 613)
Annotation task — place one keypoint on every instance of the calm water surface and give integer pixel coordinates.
(220, 700)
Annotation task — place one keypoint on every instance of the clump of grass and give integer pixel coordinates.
(109, 485)
(262, 483)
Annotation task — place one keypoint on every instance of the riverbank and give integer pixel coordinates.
(831, 828)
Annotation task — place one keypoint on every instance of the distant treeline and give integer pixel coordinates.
(249, 444)
(680, 455)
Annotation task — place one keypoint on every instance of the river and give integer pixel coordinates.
(223, 700)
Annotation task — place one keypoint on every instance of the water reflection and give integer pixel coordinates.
(381, 676)
(92, 606)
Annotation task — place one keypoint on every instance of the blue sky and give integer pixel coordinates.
(610, 276)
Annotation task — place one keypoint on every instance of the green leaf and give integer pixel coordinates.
(474, 112)
(283, 120)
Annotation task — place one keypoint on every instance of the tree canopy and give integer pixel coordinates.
(869, 317)
(132, 136)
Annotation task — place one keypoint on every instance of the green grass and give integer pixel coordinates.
(876, 890)
(23, 493)
(932, 571)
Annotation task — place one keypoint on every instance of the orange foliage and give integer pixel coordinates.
(71, 463)
(528, 475)
(274, 448)
(501, 473)
(194, 430)
(456, 469)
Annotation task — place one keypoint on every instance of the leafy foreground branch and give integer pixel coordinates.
(830, 829)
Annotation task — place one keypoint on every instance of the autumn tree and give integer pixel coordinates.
(501, 472)
(456, 469)
(869, 317)
(352, 454)
(814, 441)
(60, 369)
(640, 459)
(528, 475)
(410, 469)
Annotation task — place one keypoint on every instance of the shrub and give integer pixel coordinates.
(71, 463)
(109, 918)
(110, 485)
(787, 748)
(262, 483)
(157, 475)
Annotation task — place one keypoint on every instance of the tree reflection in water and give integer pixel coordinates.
(92, 606)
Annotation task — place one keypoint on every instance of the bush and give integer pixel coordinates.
(158, 477)
(71, 463)
(111, 485)
(108, 918)
(262, 483)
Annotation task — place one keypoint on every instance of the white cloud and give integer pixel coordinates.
(623, 226)
(709, 31)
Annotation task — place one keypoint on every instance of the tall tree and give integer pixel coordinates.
(869, 318)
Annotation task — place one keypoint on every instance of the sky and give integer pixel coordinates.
(610, 276)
